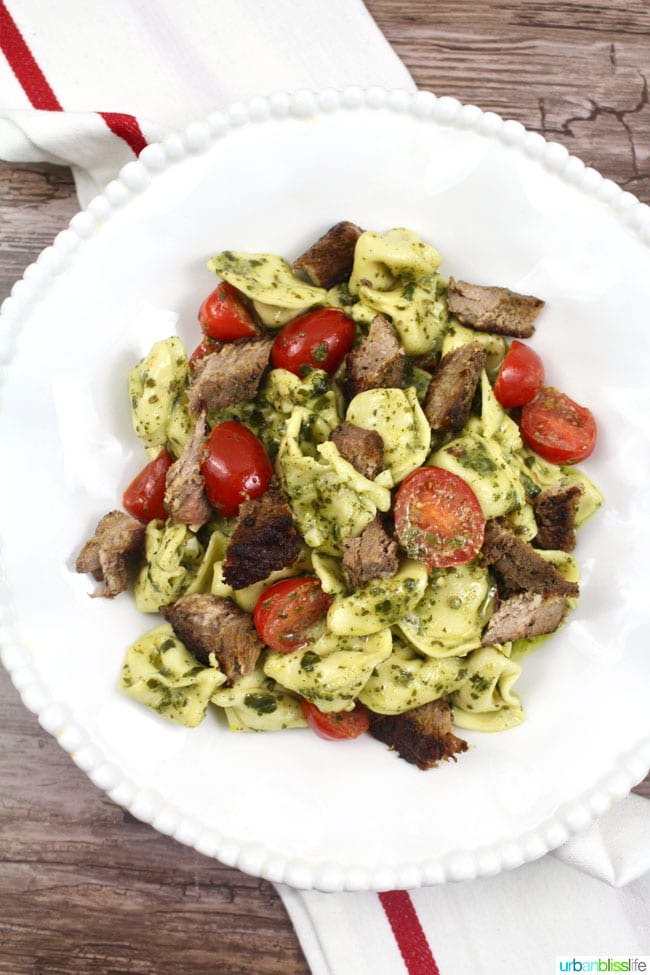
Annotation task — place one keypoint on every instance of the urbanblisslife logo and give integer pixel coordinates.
(589, 963)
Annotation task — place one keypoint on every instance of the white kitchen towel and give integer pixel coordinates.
(518, 921)
(89, 85)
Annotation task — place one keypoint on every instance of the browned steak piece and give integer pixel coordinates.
(112, 554)
(555, 514)
(379, 360)
(518, 567)
(490, 309)
(329, 261)
(372, 555)
(364, 449)
(209, 624)
(525, 614)
(424, 736)
(185, 498)
(230, 375)
(451, 390)
(263, 540)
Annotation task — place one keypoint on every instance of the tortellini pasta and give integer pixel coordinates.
(394, 274)
(332, 670)
(485, 700)
(258, 703)
(157, 387)
(417, 310)
(406, 680)
(160, 672)
(449, 618)
(270, 282)
(330, 500)
(481, 463)
(380, 259)
(396, 415)
(380, 603)
(173, 556)
(282, 392)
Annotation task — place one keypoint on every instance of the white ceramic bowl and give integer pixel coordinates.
(502, 206)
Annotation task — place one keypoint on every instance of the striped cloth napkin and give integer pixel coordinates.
(89, 85)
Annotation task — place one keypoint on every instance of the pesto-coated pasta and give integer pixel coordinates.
(380, 603)
(173, 556)
(452, 613)
(269, 280)
(157, 387)
(332, 670)
(406, 680)
(389, 633)
(258, 703)
(394, 274)
(160, 672)
(485, 700)
(396, 415)
(330, 500)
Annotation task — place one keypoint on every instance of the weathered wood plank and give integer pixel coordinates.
(576, 72)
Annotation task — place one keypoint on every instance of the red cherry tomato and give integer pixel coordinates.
(145, 496)
(558, 429)
(203, 348)
(336, 725)
(320, 339)
(284, 614)
(224, 317)
(521, 376)
(235, 467)
(438, 518)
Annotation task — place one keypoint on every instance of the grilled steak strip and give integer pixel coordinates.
(185, 498)
(209, 624)
(230, 375)
(329, 261)
(364, 449)
(555, 514)
(422, 737)
(449, 397)
(525, 614)
(373, 555)
(379, 360)
(263, 540)
(490, 309)
(113, 553)
(518, 567)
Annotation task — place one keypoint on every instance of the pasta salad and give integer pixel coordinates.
(360, 502)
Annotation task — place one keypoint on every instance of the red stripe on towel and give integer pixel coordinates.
(411, 939)
(24, 66)
(126, 126)
(37, 88)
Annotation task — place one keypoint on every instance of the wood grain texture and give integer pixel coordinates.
(84, 887)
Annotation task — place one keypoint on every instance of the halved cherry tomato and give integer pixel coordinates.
(203, 348)
(235, 467)
(284, 614)
(336, 725)
(558, 429)
(438, 518)
(521, 376)
(223, 315)
(145, 496)
(320, 339)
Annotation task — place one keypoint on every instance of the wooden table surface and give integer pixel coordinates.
(84, 887)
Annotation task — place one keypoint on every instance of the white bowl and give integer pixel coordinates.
(502, 206)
